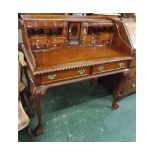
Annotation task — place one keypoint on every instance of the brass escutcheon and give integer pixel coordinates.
(52, 76)
(81, 71)
(100, 68)
(121, 65)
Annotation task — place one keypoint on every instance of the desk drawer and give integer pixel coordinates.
(65, 75)
(109, 67)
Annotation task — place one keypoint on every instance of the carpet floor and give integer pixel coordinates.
(81, 112)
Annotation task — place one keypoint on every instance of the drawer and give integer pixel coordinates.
(57, 41)
(106, 36)
(57, 44)
(104, 39)
(88, 40)
(65, 75)
(132, 73)
(38, 39)
(39, 43)
(133, 63)
(109, 67)
(130, 87)
(103, 42)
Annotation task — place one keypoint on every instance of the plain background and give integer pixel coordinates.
(145, 76)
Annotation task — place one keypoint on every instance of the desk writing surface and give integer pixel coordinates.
(60, 56)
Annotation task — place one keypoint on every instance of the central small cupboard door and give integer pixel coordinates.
(74, 30)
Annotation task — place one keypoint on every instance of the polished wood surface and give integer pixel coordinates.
(61, 49)
(109, 67)
(65, 75)
(63, 56)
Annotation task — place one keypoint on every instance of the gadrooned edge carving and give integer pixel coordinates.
(81, 65)
(84, 78)
(41, 90)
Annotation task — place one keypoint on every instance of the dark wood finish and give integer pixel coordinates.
(119, 89)
(65, 49)
(109, 67)
(65, 75)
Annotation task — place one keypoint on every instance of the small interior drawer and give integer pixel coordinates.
(38, 43)
(57, 41)
(65, 75)
(40, 39)
(105, 38)
(87, 40)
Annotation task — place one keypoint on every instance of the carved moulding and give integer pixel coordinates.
(81, 65)
(43, 88)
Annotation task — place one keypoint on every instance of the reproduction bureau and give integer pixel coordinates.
(61, 49)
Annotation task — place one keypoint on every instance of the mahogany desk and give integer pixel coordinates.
(66, 49)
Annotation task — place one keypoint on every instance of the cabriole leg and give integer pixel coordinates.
(37, 92)
(119, 89)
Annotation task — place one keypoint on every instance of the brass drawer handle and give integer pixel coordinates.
(121, 65)
(133, 85)
(52, 76)
(81, 71)
(101, 68)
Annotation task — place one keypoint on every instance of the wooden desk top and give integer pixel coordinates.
(71, 56)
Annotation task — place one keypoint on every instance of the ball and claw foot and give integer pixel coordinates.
(38, 131)
(115, 105)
